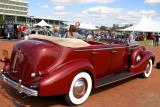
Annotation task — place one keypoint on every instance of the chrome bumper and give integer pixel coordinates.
(1, 71)
(19, 87)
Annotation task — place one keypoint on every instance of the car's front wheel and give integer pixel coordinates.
(80, 89)
(148, 70)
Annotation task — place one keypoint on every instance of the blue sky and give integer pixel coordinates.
(97, 12)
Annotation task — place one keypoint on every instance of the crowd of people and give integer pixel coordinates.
(74, 31)
(154, 39)
(23, 31)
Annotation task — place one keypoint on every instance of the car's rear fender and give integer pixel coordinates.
(141, 66)
(59, 80)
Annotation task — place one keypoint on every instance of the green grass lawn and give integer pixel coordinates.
(145, 42)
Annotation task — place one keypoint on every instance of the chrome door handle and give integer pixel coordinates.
(95, 53)
(114, 51)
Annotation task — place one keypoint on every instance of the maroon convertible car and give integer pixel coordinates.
(47, 66)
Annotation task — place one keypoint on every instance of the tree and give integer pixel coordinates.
(116, 26)
(103, 27)
(2, 21)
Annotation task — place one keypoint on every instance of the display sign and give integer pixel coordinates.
(5, 53)
(10, 26)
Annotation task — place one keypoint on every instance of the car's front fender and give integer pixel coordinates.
(141, 66)
(59, 81)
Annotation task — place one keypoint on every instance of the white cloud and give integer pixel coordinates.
(102, 11)
(152, 2)
(61, 13)
(132, 17)
(99, 15)
(59, 8)
(45, 6)
(74, 2)
(139, 13)
(102, 15)
(106, 16)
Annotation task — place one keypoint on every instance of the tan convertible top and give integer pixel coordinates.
(68, 42)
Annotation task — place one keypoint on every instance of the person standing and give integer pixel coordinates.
(19, 29)
(151, 39)
(27, 32)
(127, 36)
(131, 36)
(72, 33)
(46, 32)
(78, 30)
(23, 29)
(56, 32)
(156, 39)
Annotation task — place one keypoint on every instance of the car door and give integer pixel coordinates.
(119, 58)
(101, 59)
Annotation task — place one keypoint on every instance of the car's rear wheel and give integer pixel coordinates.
(148, 70)
(80, 89)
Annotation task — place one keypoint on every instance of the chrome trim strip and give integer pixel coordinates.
(119, 47)
(19, 87)
(107, 48)
(94, 49)
(85, 50)
(133, 45)
(102, 49)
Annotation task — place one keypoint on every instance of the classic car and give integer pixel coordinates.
(139, 38)
(47, 66)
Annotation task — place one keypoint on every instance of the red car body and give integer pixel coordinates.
(139, 38)
(40, 67)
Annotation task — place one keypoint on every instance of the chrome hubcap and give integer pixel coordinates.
(79, 88)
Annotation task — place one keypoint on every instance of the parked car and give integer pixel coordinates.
(4, 33)
(139, 38)
(47, 66)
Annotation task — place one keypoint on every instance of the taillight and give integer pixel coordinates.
(5, 60)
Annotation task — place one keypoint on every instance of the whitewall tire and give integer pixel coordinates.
(80, 89)
(148, 70)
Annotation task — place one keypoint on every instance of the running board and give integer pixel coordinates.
(114, 78)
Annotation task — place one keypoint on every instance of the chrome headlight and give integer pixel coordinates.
(138, 58)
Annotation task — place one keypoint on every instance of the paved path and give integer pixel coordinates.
(132, 92)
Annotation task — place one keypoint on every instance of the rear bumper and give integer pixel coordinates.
(1, 71)
(20, 87)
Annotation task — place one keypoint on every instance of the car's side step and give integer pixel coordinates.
(114, 78)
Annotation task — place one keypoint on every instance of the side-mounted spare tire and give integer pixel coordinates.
(139, 52)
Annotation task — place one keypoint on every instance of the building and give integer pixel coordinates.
(17, 11)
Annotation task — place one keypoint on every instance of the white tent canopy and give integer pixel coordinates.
(145, 25)
(88, 26)
(42, 24)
